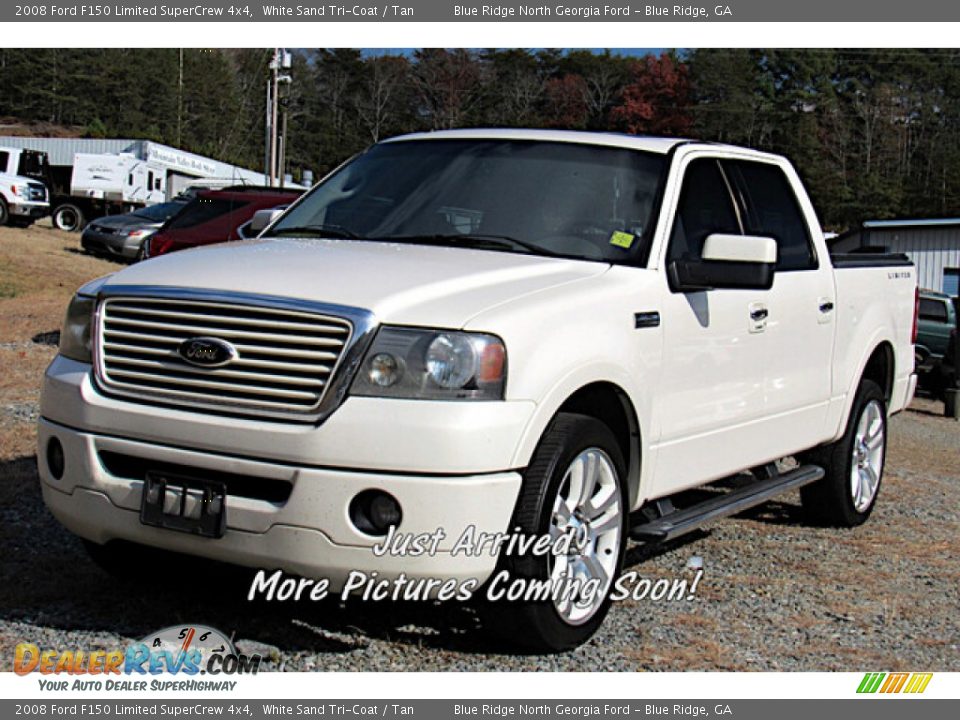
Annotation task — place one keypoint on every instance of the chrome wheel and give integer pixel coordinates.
(867, 463)
(67, 219)
(588, 506)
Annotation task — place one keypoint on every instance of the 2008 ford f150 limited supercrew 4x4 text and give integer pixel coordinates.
(549, 334)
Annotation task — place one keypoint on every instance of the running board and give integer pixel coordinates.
(680, 522)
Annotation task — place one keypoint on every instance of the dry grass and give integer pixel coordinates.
(40, 268)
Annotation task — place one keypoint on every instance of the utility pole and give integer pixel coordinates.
(282, 60)
(283, 144)
(268, 129)
(274, 107)
(180, 102)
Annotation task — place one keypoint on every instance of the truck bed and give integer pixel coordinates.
(841, 261)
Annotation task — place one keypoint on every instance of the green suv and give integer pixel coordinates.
(936, 320)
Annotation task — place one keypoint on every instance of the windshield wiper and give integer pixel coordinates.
(337, 232)
(476, 239)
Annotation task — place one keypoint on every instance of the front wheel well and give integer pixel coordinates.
(611, 405)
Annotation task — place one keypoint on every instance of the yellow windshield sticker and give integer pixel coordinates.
(622, 239)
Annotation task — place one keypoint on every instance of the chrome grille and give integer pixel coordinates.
(285, 359)
(38, 192)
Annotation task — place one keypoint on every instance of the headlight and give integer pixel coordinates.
(75, 336)
(432, 365)
(75, 340)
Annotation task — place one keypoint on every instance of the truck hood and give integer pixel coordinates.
(401, 283)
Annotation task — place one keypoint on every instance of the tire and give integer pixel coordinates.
(4, 213)
(570, 444)
(939, 382)
(848, 492)
(68, 218)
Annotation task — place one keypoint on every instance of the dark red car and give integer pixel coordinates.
(215, 216)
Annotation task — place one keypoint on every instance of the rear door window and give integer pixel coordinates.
(935, 310)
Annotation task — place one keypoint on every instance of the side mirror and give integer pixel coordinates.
(743, 262)
(260, 220)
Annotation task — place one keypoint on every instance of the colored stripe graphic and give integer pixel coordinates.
(918, 683)
(894, 682)
(870, 682)
(891, 683)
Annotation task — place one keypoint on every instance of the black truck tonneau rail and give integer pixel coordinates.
(842, 261)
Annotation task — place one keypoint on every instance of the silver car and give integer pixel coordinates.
(122, 236)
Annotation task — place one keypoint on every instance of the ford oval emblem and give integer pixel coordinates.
(207, 352)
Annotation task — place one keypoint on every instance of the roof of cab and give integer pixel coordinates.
(646, 143)
(637, 142)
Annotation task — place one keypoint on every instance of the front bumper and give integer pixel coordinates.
(29, 209)
(447, 464)
(309, 534)
(115, 244)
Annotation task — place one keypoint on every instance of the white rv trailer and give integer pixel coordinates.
(86, 175)
(118, 178)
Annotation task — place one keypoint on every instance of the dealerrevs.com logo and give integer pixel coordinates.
(892, 683)
(179, 650)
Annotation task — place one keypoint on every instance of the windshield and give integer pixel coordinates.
(33, 164)
(202, 210)
(159, 213)
(584, 201)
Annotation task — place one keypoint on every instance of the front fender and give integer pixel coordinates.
(563, 390)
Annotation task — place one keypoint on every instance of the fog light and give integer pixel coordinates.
(374, 512)
(384, 370)
(56, 462)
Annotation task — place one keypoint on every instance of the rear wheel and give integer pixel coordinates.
(575, 486)
(847, 493)
(68, 217)
(4, 212)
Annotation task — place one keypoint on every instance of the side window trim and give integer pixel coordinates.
(743, 196)
(737, 210)
(678, 208)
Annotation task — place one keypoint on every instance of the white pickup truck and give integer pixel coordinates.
(22, 199)
(550, 334)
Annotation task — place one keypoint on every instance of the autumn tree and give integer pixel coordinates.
(448, 84)
(657, 100)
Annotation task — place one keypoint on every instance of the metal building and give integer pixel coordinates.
(933, 246)
(182, 167)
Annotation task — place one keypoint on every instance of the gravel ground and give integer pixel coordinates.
(775, 594)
